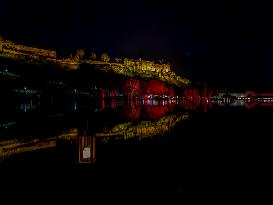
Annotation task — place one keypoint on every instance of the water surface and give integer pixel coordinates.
(141, 147)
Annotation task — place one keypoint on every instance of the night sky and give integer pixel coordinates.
(224, 43)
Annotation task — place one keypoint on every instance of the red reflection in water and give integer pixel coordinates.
(266, 104)
(112, 93)
(131, 111)
(205, 105)
(103, 93)
(196, 103)
(113, 104)
(103, 104)
(251, 104)
(157, 111)
(187, 105)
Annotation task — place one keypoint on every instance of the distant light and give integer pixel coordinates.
(6, 70)
(75, 90)
(25, 88)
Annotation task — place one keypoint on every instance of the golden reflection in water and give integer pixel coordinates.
(86, 144)
(16, 146)
(144, 129)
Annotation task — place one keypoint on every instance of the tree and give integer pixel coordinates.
(93, 56)
(131, 88)
(156, 87)
(105, 57)
(171, 92)
(118, 60)
(161, 61)
(79, 54)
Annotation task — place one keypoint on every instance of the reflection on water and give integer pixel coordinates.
(153, 110)
(27, 106)
(144, 129)
(140, 146)
(10, 147)
(143, 120)
(249, 103)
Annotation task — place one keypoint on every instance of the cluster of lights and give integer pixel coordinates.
(266, 99)
(243, 98)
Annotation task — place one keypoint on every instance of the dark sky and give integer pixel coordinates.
(225, 43)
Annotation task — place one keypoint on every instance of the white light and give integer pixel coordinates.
(86, 153)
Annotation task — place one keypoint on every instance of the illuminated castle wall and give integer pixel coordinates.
(147, 65)
(129, 67)
(9, 47)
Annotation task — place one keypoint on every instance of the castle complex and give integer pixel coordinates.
(128, 67)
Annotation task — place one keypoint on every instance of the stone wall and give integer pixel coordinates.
(144, 65)
(9, 46)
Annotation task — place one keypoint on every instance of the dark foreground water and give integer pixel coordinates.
(138, 149)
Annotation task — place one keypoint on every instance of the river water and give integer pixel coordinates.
(138, 148)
